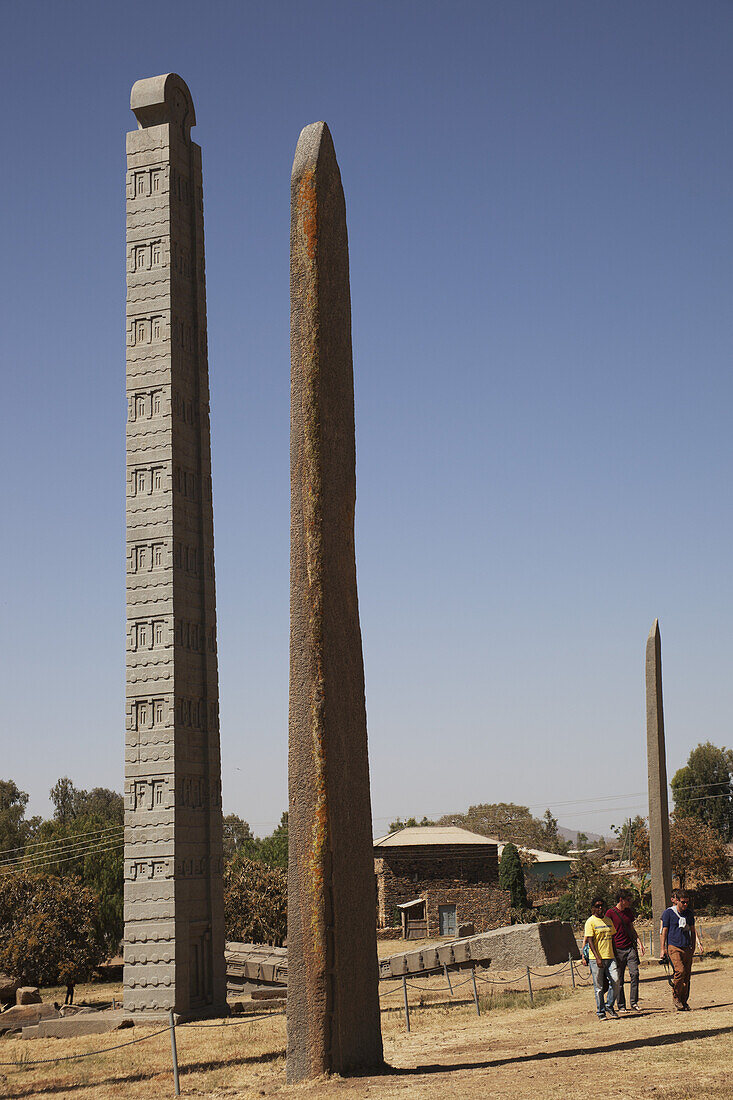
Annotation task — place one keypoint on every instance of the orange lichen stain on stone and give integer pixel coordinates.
(308, 211)
(319, 826)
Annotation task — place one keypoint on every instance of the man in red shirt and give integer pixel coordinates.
(625, 947)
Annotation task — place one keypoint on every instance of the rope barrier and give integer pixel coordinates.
(229, 1022)
(89, 1053)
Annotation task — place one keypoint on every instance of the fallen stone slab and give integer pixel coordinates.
(549, 943)
(250, 965)
(717, 932)
(86, 1023)
(546, 944)
(20, 1016)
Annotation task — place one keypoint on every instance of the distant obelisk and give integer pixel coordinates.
(174, 905)
(333, 1000)
(659, 850)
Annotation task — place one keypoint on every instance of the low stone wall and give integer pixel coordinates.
(483, 906)
(712, 893)
(394, 933)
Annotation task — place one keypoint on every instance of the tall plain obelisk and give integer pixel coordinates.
(659, 849)
(174, 908)
(333, 1000)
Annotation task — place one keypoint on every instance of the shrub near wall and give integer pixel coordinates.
(255, 902)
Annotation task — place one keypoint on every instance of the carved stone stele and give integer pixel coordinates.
(333, 1002)
(659, 846)
(174, 915)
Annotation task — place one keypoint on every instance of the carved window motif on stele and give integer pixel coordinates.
(148, 794)
(147, 255)
(145, 330)
(146, 557)
(147, 634)
(147, 480)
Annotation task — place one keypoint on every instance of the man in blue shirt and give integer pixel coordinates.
(678, 944)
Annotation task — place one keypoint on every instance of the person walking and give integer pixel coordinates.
(626, 946)
(678, 945)
(598, 953)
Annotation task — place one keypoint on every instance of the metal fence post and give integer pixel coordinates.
(447, 978)
(572, 969)
(529, 983)
(475, 991)
(407, 1006)
(174, 1052)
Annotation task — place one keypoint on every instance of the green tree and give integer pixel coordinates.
(511, 877)
(589, 879)
(697, 851)
(239, 838)
(15, 828)
(49, 929)
(255, 902)
(507, 821)
(273, 851)
(84, 839)
(626, 834)
(550, 838)
(704, 788)
(408, 823)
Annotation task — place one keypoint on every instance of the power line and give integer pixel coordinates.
(39, 843)
(40, 861)
(68, 845)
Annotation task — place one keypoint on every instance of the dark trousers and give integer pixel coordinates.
(628, 957)
(681, 959)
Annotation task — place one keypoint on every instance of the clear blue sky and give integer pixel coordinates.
(538, 199)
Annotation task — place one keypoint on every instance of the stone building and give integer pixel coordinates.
(435, 880)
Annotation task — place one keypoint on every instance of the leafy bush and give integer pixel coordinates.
(588, 879)
(562, 909)
(49, 929)
(255, 902)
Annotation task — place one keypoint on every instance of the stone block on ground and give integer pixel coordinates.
(717, 932)
(459, 953)
(250, 965)
(21, 1016)
(546, 944)
(86, 1023)
(28, 995)
(8, 989)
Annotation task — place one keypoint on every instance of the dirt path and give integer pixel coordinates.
(556, 1049)
(559, 1049)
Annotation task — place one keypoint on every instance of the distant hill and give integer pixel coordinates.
(572, 834)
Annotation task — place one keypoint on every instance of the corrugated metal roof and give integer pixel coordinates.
(430, 834)
(452, 834)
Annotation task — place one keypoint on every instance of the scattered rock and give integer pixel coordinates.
(8, 989)
(28, 995)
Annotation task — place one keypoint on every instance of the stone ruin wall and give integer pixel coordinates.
(471, 884)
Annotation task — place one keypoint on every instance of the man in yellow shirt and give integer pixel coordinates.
(598, 953)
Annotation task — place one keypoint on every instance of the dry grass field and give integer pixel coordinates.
(514, 1050)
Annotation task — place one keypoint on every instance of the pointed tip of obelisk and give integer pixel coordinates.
(654, 641)
(314, 149)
